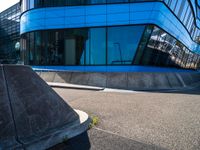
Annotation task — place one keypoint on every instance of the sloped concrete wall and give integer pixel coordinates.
(129, 80)
(32, 114)
(7, 127)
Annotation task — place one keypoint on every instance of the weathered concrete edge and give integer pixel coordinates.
(104, 89)
(128, 81)
(74, 86)
(63, 134)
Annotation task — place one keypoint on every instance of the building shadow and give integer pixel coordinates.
(80, 142)
(105, 141)
(187, 91)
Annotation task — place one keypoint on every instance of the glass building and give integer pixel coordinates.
(10, 34)
(81, 33)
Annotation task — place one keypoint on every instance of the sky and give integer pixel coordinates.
(4, 4)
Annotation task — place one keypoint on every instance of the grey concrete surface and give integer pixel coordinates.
(47, 76)
(162, 120)
(173, 80)
(80, 78)
(61, 77)
(97, 79)
(7, 128)
(74, 86)
(96, 139)
(33, 115)
(130, 80)
(117, 80)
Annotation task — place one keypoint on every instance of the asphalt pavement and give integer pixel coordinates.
(136, 120)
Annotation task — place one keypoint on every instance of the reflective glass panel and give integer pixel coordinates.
(96, 47)
(123, 43)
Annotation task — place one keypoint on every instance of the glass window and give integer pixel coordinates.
(96, 47)
(192, 30)
(38, 51)
(141, 48)
(187, 17)
(155, 52)
(75, 43)
(122, 44)
(198, 12)
(125, 45)
(164, 50)
(75, 2)
(116, 1)
(183, 12)
(31, 42)
(96, 1)
(179, 7)
(60, 2)
(39, 3)
(52, 48)
(31, 4)
(173, 4)
(24, 5)
(166, 1)
(189, 23)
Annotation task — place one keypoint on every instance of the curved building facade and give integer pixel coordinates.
(80, 33)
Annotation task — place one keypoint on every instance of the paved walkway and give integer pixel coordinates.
(138, 120)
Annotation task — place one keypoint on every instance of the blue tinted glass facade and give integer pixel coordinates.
(10, 34)
(96, 47)
(123, 43)
(110, 32)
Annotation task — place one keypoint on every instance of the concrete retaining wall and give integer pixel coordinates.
(129, 80)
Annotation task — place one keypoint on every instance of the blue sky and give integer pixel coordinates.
(4, 4)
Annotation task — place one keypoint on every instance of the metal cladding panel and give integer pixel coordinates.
(107, 15)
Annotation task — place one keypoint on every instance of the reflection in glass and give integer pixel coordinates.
(123, 43)
(96, 47)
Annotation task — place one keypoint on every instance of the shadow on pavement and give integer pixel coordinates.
(99, 140)
(80, 142)
(191, 91)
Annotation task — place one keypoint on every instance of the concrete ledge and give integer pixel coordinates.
(61, 77)
(32, 115)
(117, 80)
(47, 76)
(74, 86)
(62, 134)
(97, 79)
(125, 80)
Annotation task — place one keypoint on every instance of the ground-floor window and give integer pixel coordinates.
(122, 44)
(115, 45)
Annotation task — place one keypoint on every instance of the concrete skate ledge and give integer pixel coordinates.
(146, 81)
(74, 86)
(62, 134)
(34, 115)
